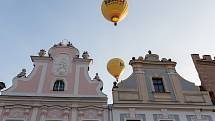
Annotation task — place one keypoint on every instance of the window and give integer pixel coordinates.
(53, 120)
(89, 120)
(166, 120)
(158, 85)
(58, 85)
(14, 120)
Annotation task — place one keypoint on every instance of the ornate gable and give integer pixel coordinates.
(59, 73)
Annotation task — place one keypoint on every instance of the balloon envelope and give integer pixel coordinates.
(116, 67)
(114, 10)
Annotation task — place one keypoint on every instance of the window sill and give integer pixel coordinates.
(164, 96)
(160, 92)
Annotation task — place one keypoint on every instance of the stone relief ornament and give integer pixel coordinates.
(16, 113)
(61, 65)
(42, 53)
(54, 114)
(97, 77)
(100, 81)
(85, 55)
(90, 114)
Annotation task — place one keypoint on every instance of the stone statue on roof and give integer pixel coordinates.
(22, 73)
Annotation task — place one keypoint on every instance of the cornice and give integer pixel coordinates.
(166, 106)
(206, 62)
(53, 99)
(152, 62)
(38, 58)
(82, 60)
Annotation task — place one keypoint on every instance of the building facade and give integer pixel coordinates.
(156, 92)
(206, 70)
(59, 89)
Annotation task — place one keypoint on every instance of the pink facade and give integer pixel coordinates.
(58, 89)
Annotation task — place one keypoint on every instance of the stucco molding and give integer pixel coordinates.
(99, 108)
(62, 65)
(164, 106)
(94, 81)
(42, 78)
(19, 119)
(15, 80)
(53, 95)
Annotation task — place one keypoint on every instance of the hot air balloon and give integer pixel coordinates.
(116, 67)
(114, 10)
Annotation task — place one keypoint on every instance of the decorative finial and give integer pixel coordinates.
(69, 44)
(115, 85)
(42, 53)
(77, 56)
(97, 77)
(164, 60)
(140, 58)
(22, 73)
(151, 57)
(65, 40)
(85, 55)
(60, 44)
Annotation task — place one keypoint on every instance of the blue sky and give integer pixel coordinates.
(171, 28)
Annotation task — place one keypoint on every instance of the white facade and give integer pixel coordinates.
(156, 92)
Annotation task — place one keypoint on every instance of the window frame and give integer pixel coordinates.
(158, 87)
(58, 85)
(90, 119)
(53, 119)
(135, 119)
(14, 119)
(166, 119)
(199, 120)
(58, 78)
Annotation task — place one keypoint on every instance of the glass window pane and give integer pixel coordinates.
(158, 85)
(58, 86)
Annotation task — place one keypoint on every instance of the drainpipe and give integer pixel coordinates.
(110, 112)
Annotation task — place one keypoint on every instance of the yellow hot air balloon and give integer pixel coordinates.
(114, 10)
(116, 67)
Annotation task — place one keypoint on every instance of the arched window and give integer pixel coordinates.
(58, 85)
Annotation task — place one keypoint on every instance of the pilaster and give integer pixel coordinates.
(34, 114)
(74, 113)
(43, 115)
